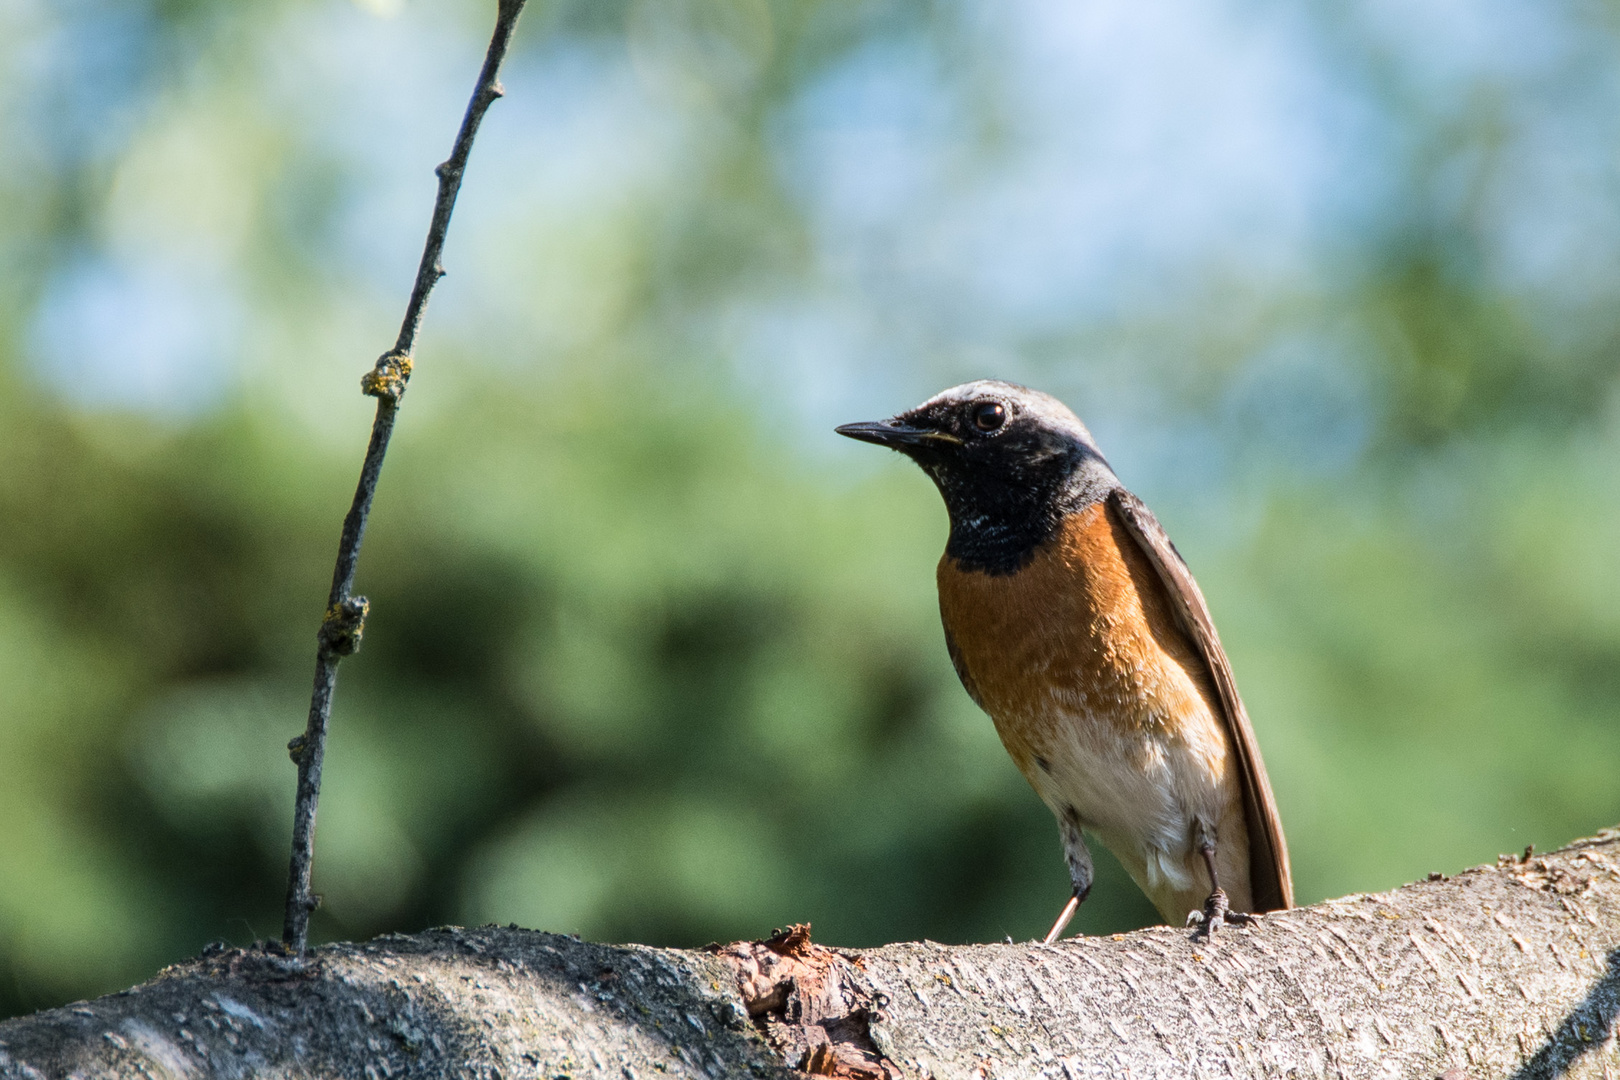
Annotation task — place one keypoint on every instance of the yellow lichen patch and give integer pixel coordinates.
(387, 380)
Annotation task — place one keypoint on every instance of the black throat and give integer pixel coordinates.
(1001, 514)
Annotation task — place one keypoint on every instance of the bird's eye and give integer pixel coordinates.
(989, 416)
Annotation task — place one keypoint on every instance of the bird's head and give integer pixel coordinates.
(1009, 462)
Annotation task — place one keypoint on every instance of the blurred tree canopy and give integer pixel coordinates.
(651, 656)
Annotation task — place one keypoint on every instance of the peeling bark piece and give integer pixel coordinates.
(810, 1004)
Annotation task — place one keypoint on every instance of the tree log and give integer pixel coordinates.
(1506, 970)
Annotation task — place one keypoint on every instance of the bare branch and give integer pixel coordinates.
(1510, 970)
(488, 88)
(344, 622)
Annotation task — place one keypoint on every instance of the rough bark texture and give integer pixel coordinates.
(1504, 971)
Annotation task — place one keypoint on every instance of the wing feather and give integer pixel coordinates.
(1269, 877)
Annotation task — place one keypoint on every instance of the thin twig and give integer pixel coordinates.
(345, 614)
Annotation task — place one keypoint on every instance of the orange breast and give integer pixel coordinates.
(1080, 644)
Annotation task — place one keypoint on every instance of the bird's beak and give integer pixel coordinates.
(896, 435)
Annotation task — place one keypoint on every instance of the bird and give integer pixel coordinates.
(1072, 620)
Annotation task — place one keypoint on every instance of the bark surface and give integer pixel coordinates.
(1511, 970)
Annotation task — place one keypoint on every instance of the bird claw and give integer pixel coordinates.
(1216, 914)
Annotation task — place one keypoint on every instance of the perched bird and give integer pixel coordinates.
(1072, 620)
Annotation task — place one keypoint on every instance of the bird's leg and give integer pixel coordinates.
(1217, 909)
(1064, 916)
(1080, 872)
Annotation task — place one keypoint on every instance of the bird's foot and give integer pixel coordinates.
(1216, 914)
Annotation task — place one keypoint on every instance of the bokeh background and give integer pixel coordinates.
(654, 656)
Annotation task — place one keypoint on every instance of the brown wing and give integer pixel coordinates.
(1269, 877)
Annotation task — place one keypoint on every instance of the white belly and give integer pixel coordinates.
(1151, 797)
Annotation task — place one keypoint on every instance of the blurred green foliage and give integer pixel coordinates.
(650, 658)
